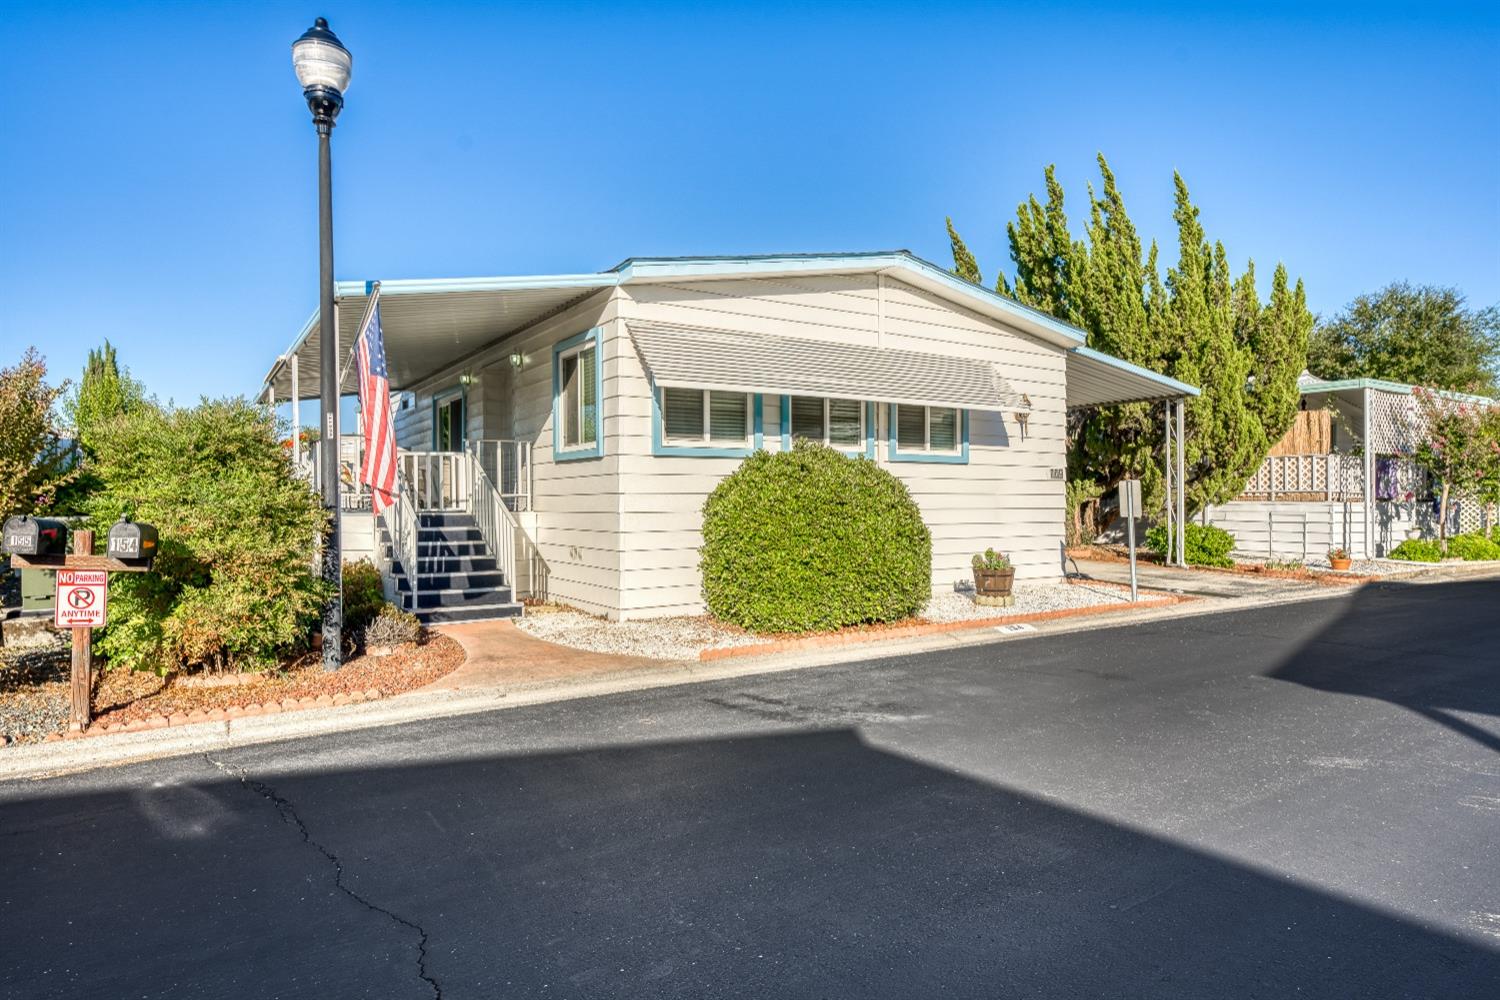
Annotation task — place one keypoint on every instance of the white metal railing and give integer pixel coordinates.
(508, 464)
(1307, 477)
(437, 480)
(400, 520)
(497, 526)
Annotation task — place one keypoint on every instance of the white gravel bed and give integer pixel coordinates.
(1030, 599)
(658, 638)
(1363, 567)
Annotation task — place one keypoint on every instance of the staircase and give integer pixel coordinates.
(458, 579)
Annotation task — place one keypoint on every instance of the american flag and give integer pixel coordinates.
(379, 469)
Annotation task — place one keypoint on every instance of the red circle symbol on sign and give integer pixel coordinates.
(81, 598)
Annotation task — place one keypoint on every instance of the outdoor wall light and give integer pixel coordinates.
(468, 378)
(1023, 417)
(516, 360)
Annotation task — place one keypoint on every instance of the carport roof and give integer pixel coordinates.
(433, 324)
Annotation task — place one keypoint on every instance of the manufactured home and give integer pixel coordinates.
(1344, 476)
(560, 434)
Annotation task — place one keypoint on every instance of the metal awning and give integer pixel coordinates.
(691, 357)
(429, 325)
(1098, 379)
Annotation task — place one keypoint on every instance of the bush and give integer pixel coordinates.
(233, 586)
(390, 626)
(809, 539)
(364, 595)
(1473, 547)
(1205, 545)
(1417, 550)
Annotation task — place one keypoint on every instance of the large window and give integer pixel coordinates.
(934, 433)
(577, 386)
(839, 423)
(693, 417)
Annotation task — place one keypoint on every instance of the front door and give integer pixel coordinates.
(448, 429)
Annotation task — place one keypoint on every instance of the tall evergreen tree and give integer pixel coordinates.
(964, 264)
(1201, 325)
(105, 392)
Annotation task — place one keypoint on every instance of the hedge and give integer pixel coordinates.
(811, 540)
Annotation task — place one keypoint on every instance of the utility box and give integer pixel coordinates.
(131, 542)
(38, 591)
(35, 536)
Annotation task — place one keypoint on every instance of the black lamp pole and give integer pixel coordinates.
(323, 67)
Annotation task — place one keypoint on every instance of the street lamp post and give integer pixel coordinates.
(323, 68)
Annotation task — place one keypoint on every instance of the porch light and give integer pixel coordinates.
(516, 360)
(323, 68)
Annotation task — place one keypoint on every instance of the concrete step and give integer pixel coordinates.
(455, 581)
(456, 564)
(458, 598)
(448, 534)
(445, 519)
(469, 613)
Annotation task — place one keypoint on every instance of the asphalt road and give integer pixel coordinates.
(1294, 800)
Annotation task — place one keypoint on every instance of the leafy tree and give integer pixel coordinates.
(1418, 334)
(104, 392)
(963, 261)
(233, 586)
(34, 464)
(1458, 449)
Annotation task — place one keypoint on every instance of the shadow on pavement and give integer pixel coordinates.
(805, 864)
(1416, 654)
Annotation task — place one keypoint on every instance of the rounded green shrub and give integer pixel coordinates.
(1417, 550)
(1203, 545)
(1473, 547)
(809, 540)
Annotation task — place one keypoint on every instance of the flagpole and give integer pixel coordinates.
(364, 321)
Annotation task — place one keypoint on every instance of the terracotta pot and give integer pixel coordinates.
(1339, 564)
(993, 582)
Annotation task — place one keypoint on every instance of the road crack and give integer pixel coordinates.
(288, 813)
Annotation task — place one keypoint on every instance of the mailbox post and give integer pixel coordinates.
(37, 543)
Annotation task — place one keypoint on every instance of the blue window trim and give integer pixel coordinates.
(438, 399)
(659, 446)
(596, 450)
(960, 457)
(867, 452)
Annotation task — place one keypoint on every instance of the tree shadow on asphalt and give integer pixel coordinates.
(1417, 654)
(801, 864)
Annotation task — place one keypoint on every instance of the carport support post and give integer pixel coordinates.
(83, 650)
(1369, 475)
(1172, 526)
(1181, 491)
(296, 416)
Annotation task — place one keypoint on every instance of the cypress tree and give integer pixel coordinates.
(1049, 264)
(964, 264)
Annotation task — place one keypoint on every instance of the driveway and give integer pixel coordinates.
(1300, 799)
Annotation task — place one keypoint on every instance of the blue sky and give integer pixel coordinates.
(159, 175)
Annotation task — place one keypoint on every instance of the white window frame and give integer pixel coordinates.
(864, 429)
(705, 440)
(927, 448)
(577, 351)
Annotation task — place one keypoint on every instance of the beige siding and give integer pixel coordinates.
(1003, 496)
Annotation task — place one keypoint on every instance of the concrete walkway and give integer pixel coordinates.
(1195, 582)
(501, 656)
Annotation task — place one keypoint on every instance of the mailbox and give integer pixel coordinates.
(131, 542)
(36, 536)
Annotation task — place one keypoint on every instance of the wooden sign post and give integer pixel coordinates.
(82, 585)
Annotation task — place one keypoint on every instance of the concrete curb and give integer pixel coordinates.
(68, 756)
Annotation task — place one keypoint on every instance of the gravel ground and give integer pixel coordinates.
(659, 638)
(1030, 598)
(682, 638)
(34, 690)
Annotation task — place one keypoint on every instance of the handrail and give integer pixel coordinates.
(400, 520)
(507, 461)
(496, 523)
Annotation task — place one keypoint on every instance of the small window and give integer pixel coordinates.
(578, 377)
(927, 429)
(836, 422)
(695, 417)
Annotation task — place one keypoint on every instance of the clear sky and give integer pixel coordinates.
(158, 166)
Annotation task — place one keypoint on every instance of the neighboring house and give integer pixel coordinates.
(1321, 487)
(603, 408)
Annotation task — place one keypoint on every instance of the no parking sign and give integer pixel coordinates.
(80, 598)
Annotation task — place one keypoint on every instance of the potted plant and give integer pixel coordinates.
(1339, 559)
(993, 575)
